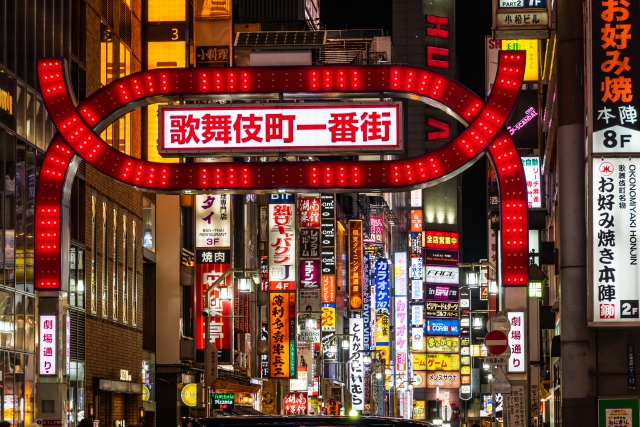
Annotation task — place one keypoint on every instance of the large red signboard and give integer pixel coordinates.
(77, 138)
(210, 265)
(311, 128)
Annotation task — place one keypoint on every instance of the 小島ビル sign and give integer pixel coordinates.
(308, 128)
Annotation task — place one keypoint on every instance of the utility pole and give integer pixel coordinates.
(579, 397)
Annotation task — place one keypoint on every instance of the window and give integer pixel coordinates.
(114, 285)
(94, 290)
(149, 221)
(125, 268)
(6, 319)
(76, 277)
(75, 403)
(134, 311)
(105, 263)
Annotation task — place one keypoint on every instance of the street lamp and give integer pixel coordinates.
(536, 280)
(225, 293)
(345, 343)
(472, 278)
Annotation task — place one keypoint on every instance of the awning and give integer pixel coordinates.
(230, 386)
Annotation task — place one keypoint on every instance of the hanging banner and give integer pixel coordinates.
(376, 231)
(282, 242)
(355, 265)
(400, 273)
(310, 274)
(442, 274)
(366, 303)
(417, 339)
(443, 379)
(309, 301)
(416, 220)
(213, 220)
(532, 174)
(282, 332)
(310, 243)
(328, 289)
(48, 343)
(441, 292)
(210, 265)
(443, 362)
(308, 212)
(449, 327)
(356, 366)
(441, 344)
(517, 342)
(441, 240)
(328, 234)
(440, 257)
(295, 403)
(382, 303)
(415, 244)
(401, 340)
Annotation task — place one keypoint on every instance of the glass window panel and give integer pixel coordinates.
(114, 279)
(29, 389)
(29, 325)
(20, 214)
(149, 225)
(30, 216)
(152, 137)
(21, 105)
(9, 209)
(7, 98)
(106, 66)
(80, 279)
(6, 319)
(163, 10)
(19, 322)
(18, 390)
(31, 116)
(93, 293)
(105, 263)
(8, 407)
(40, 119)
(125, 269)
(166, 54)
(73, 254)
(134, 312)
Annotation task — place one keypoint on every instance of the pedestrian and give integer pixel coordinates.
(192, 423)
(85, 423)
(5, 424)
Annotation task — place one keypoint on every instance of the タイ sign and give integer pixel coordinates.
(308, 128)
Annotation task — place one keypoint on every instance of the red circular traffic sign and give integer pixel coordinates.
(496, 342)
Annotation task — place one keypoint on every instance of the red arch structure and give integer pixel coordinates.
(79, 126)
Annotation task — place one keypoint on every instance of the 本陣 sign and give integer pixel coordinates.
(355, 264)
(282, 330)
(282, 246)
(213, 220)
(616, 271)
(308, 128)
(615, 127)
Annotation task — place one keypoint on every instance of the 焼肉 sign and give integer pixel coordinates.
(309, 128)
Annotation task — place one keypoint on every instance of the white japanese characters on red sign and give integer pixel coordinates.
(517, 342)
(47, 341)
(313, 128)
(213, 220)
(282, 246)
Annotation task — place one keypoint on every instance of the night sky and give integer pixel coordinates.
(473, 21)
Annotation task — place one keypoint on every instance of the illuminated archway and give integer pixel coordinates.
(79, 126)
